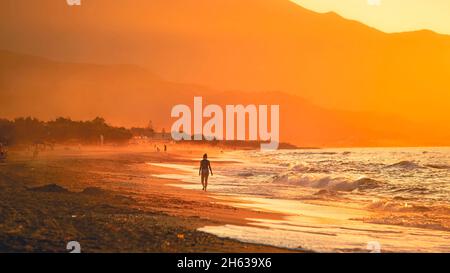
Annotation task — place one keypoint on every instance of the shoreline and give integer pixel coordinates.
(108, 201)
(320, 222)
(130, 199)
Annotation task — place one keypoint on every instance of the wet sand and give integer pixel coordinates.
(108, 200)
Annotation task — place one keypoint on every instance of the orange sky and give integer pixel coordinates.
(389, 15)
(247, 46)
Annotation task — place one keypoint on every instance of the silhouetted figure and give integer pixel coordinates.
(36, 151)
(165, 148)
(2, 152)
(205, 168)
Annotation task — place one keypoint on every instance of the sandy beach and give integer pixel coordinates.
(109, 200)
(136, 199)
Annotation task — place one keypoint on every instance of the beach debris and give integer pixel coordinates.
(180, 236)
(324, 192)
(50, 188)
(321, 192)
(94, 191)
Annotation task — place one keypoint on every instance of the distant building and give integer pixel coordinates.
(161, 136)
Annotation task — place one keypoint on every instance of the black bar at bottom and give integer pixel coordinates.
(218, 262)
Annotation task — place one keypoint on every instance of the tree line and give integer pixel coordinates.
(28, 130)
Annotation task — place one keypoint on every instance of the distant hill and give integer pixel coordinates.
(251, 45)
(128, 95)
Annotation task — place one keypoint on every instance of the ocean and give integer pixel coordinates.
(336, 200)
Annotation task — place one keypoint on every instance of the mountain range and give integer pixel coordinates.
(341, 82)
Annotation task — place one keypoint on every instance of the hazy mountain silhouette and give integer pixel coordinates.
(130, 95)
(253, 45)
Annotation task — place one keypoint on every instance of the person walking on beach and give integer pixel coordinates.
(205, 168)
(2, 152)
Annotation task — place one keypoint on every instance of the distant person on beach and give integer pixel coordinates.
(205, 168)
(165, 148)
(36, 151)
(2, 152)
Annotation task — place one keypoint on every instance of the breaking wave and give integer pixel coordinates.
(328, 183)
(439, 166)
(405, 164)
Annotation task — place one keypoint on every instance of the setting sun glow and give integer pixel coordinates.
(389, 15)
